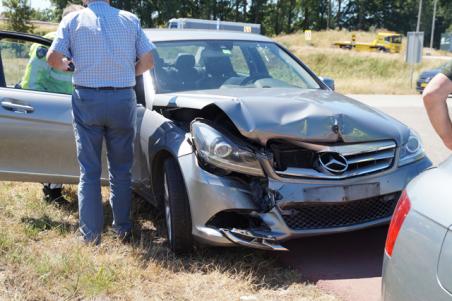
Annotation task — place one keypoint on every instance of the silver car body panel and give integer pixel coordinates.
(163, 35)
(411, 272)
(45, 135)
(210, 194)
(419, 268)
(445, 263)
(301, 115)
(38, 145)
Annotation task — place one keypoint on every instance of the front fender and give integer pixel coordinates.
(160, 137)
(161, 134)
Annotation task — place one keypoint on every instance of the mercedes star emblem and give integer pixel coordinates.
(333, 162)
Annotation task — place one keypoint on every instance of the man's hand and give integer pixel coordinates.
(435, 100)
(145, 63)
(448, 142)
(58, 61)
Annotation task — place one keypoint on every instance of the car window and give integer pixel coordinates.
(238, 61)
(170, 54)
(281, 67)
(397, 39)
(224, 64)
(25, 67)
(15, 58)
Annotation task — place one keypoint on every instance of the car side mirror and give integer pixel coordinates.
(328, 81)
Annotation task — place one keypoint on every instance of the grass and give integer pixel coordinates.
(15, 69)
(357, 72)
(42, 259)
(39, 28)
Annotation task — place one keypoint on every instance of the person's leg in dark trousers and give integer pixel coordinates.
(119, 136)
(53, 193)
(89, 118)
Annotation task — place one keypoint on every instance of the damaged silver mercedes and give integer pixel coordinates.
(238, 142)
(247, 146)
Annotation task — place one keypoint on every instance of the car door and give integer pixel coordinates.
(36, 136)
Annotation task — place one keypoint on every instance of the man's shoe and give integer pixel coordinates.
(53, 195)
(124, 237)
(94, 241)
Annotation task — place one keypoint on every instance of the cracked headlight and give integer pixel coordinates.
(218, 150)
(412, 150)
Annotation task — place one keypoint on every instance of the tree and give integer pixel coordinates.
(278, 16)
(18, 15)
(44, 15)
(60, 5)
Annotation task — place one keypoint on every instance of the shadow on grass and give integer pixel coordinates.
(149, 239)
(149, 244)
(45, 223)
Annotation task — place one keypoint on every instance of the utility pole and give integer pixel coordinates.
(328, 21)
(435, 2)
(419, 16)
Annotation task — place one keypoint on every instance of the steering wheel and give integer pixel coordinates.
(254, 78)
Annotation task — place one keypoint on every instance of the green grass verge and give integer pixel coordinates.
(357, 72)
(42, 259)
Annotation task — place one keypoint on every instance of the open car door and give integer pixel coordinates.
(36, 136)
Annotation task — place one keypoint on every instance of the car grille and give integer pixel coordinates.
(362, 159)
(326, 216)
(365, 162)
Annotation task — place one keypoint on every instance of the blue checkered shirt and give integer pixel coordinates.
(104, 44)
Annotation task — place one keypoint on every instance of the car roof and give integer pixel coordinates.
(162, 35)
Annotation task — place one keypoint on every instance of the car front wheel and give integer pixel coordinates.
(177, 208)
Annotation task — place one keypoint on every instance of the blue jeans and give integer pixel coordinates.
(99, 115)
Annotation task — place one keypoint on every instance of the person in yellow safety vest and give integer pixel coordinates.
(39, 76)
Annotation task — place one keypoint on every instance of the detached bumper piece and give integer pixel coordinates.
(252, 239)
(305, 216)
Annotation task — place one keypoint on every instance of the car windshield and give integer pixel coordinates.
(213, 64)
(397, 39)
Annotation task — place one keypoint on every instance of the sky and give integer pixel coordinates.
(40, 4)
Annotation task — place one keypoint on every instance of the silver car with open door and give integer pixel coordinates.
(238, 140)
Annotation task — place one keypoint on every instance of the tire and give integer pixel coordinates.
(176, 208)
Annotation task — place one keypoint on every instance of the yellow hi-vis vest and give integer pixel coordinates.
(39, 76)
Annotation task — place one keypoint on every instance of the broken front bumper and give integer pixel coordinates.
(303, 207)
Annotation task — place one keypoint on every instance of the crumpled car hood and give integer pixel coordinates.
(316, 116)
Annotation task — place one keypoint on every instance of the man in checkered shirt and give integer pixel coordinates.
(108, 49)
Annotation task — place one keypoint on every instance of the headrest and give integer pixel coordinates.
(185, 61)
(220, 65)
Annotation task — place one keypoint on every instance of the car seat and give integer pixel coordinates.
(218, 67)
(187, 75)
(165, 75)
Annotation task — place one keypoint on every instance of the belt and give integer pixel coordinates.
(102, 88)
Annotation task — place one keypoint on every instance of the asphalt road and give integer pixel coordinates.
(349, 265)
(437, 57)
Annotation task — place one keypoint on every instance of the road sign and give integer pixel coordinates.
(414, 48)
(307, 35)
(247, 29)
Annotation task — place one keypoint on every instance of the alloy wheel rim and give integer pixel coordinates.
(167, 209)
